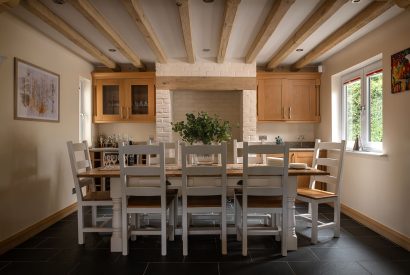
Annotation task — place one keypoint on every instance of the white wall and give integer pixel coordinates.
(378, 187)
(36, 179)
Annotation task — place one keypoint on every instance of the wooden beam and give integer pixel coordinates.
(205, 83)
(278, 10)
(323, 12)
(137, 13)
(231, 7)
(183, 8)
(6, 5)
(39, 9)
(94, 16)
(373, 10)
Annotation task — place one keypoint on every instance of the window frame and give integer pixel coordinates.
(363, 74)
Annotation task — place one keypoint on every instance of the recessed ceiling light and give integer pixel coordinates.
(206, 50)
(208, 1)
(112, 50)
(59, 2)
(299, 50)
(355, 1)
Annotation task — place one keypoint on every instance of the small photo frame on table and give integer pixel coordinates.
(400, 71)
(36, 93)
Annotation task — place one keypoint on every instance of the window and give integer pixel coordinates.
(362, 107)
(85, 110)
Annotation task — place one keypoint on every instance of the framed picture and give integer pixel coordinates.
(36, 93)
(400, 71)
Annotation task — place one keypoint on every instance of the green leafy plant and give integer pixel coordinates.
(202, 128)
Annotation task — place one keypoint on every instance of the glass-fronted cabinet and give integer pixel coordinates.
(125, 96)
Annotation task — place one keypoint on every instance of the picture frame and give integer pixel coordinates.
(400, 71)
(36, 93)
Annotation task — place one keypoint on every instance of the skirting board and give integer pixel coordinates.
(383, 230)
(34, 229)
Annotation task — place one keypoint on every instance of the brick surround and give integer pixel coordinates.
(163, 97)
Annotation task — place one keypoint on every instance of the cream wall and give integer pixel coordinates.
(378, 187)
(36, 180)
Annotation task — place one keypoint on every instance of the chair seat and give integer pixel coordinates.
(97, 196)
(262, 201)
(204, 201)
(315, 193)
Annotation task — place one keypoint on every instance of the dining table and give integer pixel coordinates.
(174, 174)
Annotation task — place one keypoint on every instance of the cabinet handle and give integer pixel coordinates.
(290, 112)
(121, 112)
(128, 112)
(283, 112)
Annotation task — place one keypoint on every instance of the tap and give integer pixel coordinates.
(300, 139)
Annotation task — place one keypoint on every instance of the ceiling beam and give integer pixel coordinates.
(6, 5)
(94, 17)
(278, 10)
(39, 9)
(323, 12)
(183, 8)
(231, 7)
(135, 10)
(368, 14)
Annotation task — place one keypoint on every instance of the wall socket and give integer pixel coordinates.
(263, 138)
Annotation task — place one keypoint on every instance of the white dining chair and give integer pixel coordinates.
(80, 162)
(205, 197)
(261, 194)
(333, 163)
(144, 190)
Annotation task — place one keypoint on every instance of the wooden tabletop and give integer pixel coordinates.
(233, 170)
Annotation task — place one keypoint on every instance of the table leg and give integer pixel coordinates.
(292, 238)
(115, 192)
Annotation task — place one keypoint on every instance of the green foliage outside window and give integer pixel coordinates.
(376, 107)
(353, 108)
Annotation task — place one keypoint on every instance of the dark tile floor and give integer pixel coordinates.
(358, 251)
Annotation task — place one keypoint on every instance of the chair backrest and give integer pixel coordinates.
(252, 171)
(333, 163)
(80, 162)
(204, 170)
(255, 158)
(153, 172)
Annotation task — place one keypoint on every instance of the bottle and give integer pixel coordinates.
(131, 158)
(356, 146)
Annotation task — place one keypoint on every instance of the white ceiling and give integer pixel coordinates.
(206, 23)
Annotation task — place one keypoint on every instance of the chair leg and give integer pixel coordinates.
(80, 225)
(164, 231)
(277, 219)
(314, 235)
(94, 215)
(284, 232)
(124, 221)
(184, 230)
(223, 226)
(175, 213)
(244, 230)
(336, 218)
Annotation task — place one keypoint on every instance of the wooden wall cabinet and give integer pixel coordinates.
(288, 97)
(124, 97)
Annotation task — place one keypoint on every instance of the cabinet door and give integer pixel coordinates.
(109, 100)
(270, 99)
(303, 157)
(300, 100)
(140, 98)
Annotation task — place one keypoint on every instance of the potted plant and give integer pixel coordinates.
(202, 129)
